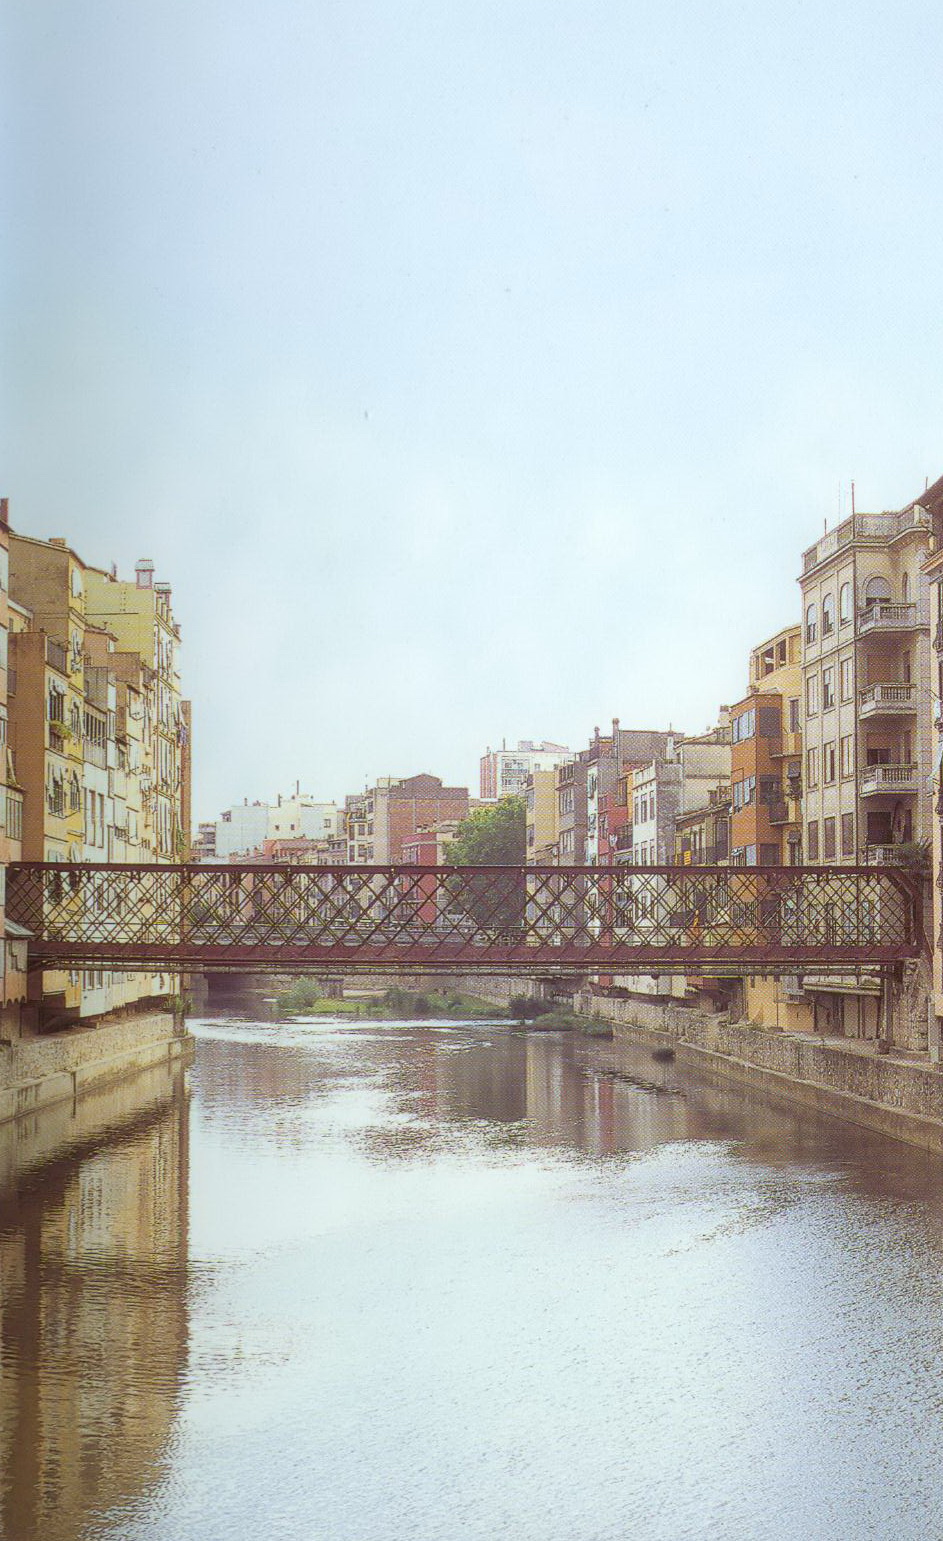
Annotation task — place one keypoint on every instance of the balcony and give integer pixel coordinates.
(779, 814)
(56, 656)
(883, 527)
(882, 617)
(883, 855)
(887, 700)
(887, 780)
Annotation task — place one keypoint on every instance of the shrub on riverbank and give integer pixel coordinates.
(303, 997)
(420, 1004)
(527, 1008)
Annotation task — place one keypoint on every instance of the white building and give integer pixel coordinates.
(504, 772)
(246, 826)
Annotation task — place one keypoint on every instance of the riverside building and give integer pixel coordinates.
(97, 738)
(866, 730)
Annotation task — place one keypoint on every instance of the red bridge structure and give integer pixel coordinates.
(486, 920)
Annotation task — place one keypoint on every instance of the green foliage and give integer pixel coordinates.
(491, 837)
(406, 1004)
(305, 997)
(915, 856)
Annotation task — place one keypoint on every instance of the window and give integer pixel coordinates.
(781, 651)
(845, 680)
(848, 834)
(828, 688)
(794, 714)
(828, 615)
(828, 763)
(770, 722)
(770, 791)
(811, 628)
(744, 792)
(812, 839)
(744, 726)
(847, 755)
(905, 588)
(812, 695)
(811, 767)
(828, 839)
(769, 855)
(844, 604)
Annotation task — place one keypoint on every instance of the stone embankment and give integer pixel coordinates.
(895, 1094)
(37, 1072)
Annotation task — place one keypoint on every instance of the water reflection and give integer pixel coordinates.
(93, 1327)
(383, 1280)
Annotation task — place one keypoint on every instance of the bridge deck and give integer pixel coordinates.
(524, 920)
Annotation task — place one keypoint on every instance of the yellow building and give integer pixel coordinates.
(540, 799)
(140, 617)
(97, 732)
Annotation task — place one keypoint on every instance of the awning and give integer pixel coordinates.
(841, 984)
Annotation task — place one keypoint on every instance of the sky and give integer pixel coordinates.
(471, 371)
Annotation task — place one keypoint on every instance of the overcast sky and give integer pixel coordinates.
(468, 369)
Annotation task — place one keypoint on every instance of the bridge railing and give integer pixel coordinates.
(608, 918)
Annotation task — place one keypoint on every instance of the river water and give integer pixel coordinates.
(364, 1282)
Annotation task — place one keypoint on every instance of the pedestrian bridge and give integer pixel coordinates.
(519, 920)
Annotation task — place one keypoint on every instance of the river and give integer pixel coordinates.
(349, 1281)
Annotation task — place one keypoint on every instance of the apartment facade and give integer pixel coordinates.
(86, 725)
(139, 616)
(503, 772)
(14, 985)
(766, 757)
(865, 723)
(866, 678)
(540, 803)
(383, 817)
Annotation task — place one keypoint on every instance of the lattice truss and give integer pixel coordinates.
(610, 917)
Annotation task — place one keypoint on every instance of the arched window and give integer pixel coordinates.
(811, 618)
(844, 604)
(877, 591)
(828, 614)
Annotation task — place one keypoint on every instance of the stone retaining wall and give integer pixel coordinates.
(35, 1072)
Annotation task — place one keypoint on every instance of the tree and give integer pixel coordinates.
(491, 837)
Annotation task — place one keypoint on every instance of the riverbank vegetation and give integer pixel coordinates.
(303, 997)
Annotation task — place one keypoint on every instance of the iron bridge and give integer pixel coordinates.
(519, 920)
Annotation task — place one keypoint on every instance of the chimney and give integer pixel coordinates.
(56, 540)
(144, 573)
(4, 510)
